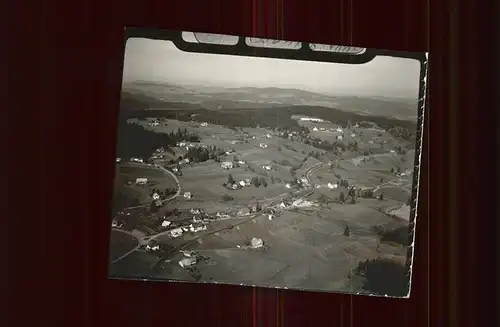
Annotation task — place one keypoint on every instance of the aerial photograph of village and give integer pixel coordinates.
(264, 172)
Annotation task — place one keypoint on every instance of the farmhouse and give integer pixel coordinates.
(187, 262)
(332, 186)
(226, 165)
(152, 246)
(138, 160)
(175, 232)
(317, 120)
(141, 180)
(197, 227)
(256, 242)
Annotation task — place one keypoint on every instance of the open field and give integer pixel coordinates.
(129, 172)
(304, 248)
(120, 244)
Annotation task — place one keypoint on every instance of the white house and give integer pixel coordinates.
(263, 145)
(227, 165)
(322, 129)
(155, 196)
(187, 262)
(339, 137)
(118, 160)
(332, 186)
(141, 180)
(176, 232)
(304, 180)
(317, 120)
(287, 185)
(393, 151)
(268, 136)
(266, 167)
(197, 228)
(242, 183)
(153, 246)
(256, 242)
(203, 124)
(165, 223)
(315, 129)
(241, 162)
(339, 130)
(138, 160)
(353, 135)
(188, 195)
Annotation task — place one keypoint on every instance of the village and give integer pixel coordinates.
(236, 190)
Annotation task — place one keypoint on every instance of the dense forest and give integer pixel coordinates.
(269, 117)
(140, 106)
(134, 140)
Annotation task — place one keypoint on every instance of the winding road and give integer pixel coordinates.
(143, 240)
(178, 184)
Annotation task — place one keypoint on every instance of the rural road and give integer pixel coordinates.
(144, 240)
(186, 244)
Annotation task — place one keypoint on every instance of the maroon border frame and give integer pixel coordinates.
(64, 59)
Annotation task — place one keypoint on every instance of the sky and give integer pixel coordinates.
(162, 61)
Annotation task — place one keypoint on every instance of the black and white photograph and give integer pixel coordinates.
(267, 172)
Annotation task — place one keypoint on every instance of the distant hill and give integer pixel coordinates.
(138, 105)
(214, 98)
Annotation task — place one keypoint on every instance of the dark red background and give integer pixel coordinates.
(64, 82)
